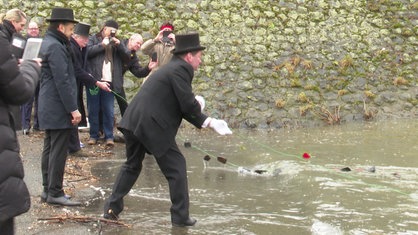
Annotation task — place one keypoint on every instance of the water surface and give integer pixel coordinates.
(292, 195)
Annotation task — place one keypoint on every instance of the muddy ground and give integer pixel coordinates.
(78, 182)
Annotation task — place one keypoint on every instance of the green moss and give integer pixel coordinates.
(295, 82)
(303, 110)
(369, 94)
(342, 92)
(303, 98)
(414, 6)
(413, 101)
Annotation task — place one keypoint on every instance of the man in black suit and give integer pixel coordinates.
(151, 122)
(79, 42)
(58, 110)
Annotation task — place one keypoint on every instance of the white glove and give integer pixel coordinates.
(220, 126)
(201, 102)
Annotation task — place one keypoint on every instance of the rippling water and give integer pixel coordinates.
(267, 187)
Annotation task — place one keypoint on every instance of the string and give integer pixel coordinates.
(116, 94)
(344, 175)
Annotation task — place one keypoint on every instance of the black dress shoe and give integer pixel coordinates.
(119, 138)
(62, 201)
(110, 215)
(44, 196)
(188, 222)
(79, 153)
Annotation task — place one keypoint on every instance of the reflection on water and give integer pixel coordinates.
(291, 195)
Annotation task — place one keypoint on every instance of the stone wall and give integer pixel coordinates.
(281, 62)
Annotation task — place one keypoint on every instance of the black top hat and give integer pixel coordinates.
(187, 43)
(62, 14)
(82, 29)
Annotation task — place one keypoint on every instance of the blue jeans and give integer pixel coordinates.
(99, 100)
(26, 110)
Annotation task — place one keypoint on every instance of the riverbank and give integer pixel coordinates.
(78, 182)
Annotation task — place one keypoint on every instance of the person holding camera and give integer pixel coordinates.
(161, 46)
(105, 56)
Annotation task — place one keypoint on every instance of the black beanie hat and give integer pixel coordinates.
(111, 23)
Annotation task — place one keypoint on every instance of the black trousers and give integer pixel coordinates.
(121, 102)
(80, 102)
(54, 156)
(7, 227)
(74, 144)
(173, 166)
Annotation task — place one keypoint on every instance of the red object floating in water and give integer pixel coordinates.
(306, 155)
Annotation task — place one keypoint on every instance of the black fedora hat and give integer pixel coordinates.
(111, 23)
(187, 43)
(62, 14)
(82, 29)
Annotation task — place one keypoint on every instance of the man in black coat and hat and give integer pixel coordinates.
(151, 122)
(58, 110)
(79, 41)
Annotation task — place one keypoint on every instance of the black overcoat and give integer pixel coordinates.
(132, 64)
(58, 90)
(79, 60)
(155, 113)
(82, 75)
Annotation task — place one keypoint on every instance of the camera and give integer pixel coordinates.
(154, 57)
(112, 33)
(165, 38)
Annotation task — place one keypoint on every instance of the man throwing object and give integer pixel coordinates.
(151, 122)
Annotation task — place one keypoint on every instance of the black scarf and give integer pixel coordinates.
(8, 29)
(60, 37)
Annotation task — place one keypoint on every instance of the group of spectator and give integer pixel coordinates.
(71, 58)
(89, 66)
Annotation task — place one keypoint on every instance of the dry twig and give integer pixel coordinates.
(83, 219)
(327, 116)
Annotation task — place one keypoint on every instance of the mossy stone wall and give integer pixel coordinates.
(285, 62)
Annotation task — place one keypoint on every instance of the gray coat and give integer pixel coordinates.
(58, 90)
